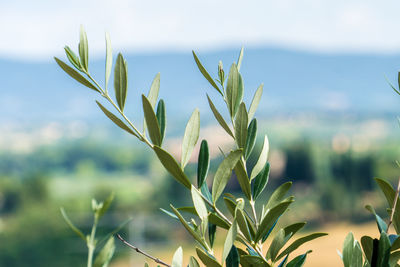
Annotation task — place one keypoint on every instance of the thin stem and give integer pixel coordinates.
(138, 250)
(253, 209)
(104, 93)
(91, 243)
(394, 205)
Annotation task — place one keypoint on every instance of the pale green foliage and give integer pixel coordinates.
(250, 230)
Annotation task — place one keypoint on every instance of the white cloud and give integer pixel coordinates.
(39, 29)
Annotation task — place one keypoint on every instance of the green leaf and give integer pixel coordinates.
(296, 244)
(298, 261)
(191, 231)
(172, 166)
(395, 244)
(151, 122)
(161, 118)
(199, 204)
(75, 75)
(154, 90)
(368, 247)
(207, 259)
(348, 246)
(239, 61)
(292, 229)
(242, 223)
(277, 243)
(278, 195)
(71, 225)
(233, 91)
(193, 262)
(382, 226)
(219, 117)
(256, 100)
(213, 217)
(116, 120)
(383, 250)
(109, 59)
(262, 159)
(203, 163)
(106, 205)
(73, 59)
(243, 179)
(177, 259)
(106, 253)
(190, 138)
(83, 49)
(120, 80)
(260, 182)
(223, 173)
(270, 218)
(212, 229)
(390, 193)
(233, 258)
(251, 138)
(229, 240)
(253, 261)
(394, 258)
(241, 126)
(205, 73)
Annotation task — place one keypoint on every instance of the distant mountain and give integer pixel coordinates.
(294, 81)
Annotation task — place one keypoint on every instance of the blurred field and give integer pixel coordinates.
(324, 249)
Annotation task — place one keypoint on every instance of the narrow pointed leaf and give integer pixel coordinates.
(153, 95)
(241, 126)
(260, 182)
(277, 243)
(199, 204)
(270, 219)
(229, 240)
(205, 73)
(106, 205)
(161, 118)
(193, 262)
(390, 193)
(219, 117)
(75, 75)
(347, 253)
(120, 80)
(83, 49)
(292, 229)
(207, 259)
(383, 250)
(172, 166)
(109, 59)
(251, 138)
(191, 231)
(212, 229)
(151, 122)
(223, 173)
(206, 192)
(367, 244)
(253, 261)
(190, 138)
(262, 159)
(177, 259)
(106, 253)
(233, 258)
(242, 223)
(73, 59)
(382, 226)
(278, 195)
(232, 90)
(203, 163)
(298, 261)
(71, 225)
(239, 61)
(243, 179)
(296, 244)
(116, 120)
(256, 100)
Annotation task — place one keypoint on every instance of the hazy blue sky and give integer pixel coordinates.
(39, 29)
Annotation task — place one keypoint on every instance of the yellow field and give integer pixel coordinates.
(324, 249)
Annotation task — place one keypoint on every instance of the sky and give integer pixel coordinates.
(38, 30)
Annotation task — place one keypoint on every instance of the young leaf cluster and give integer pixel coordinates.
(248, 223)
(105, 254)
